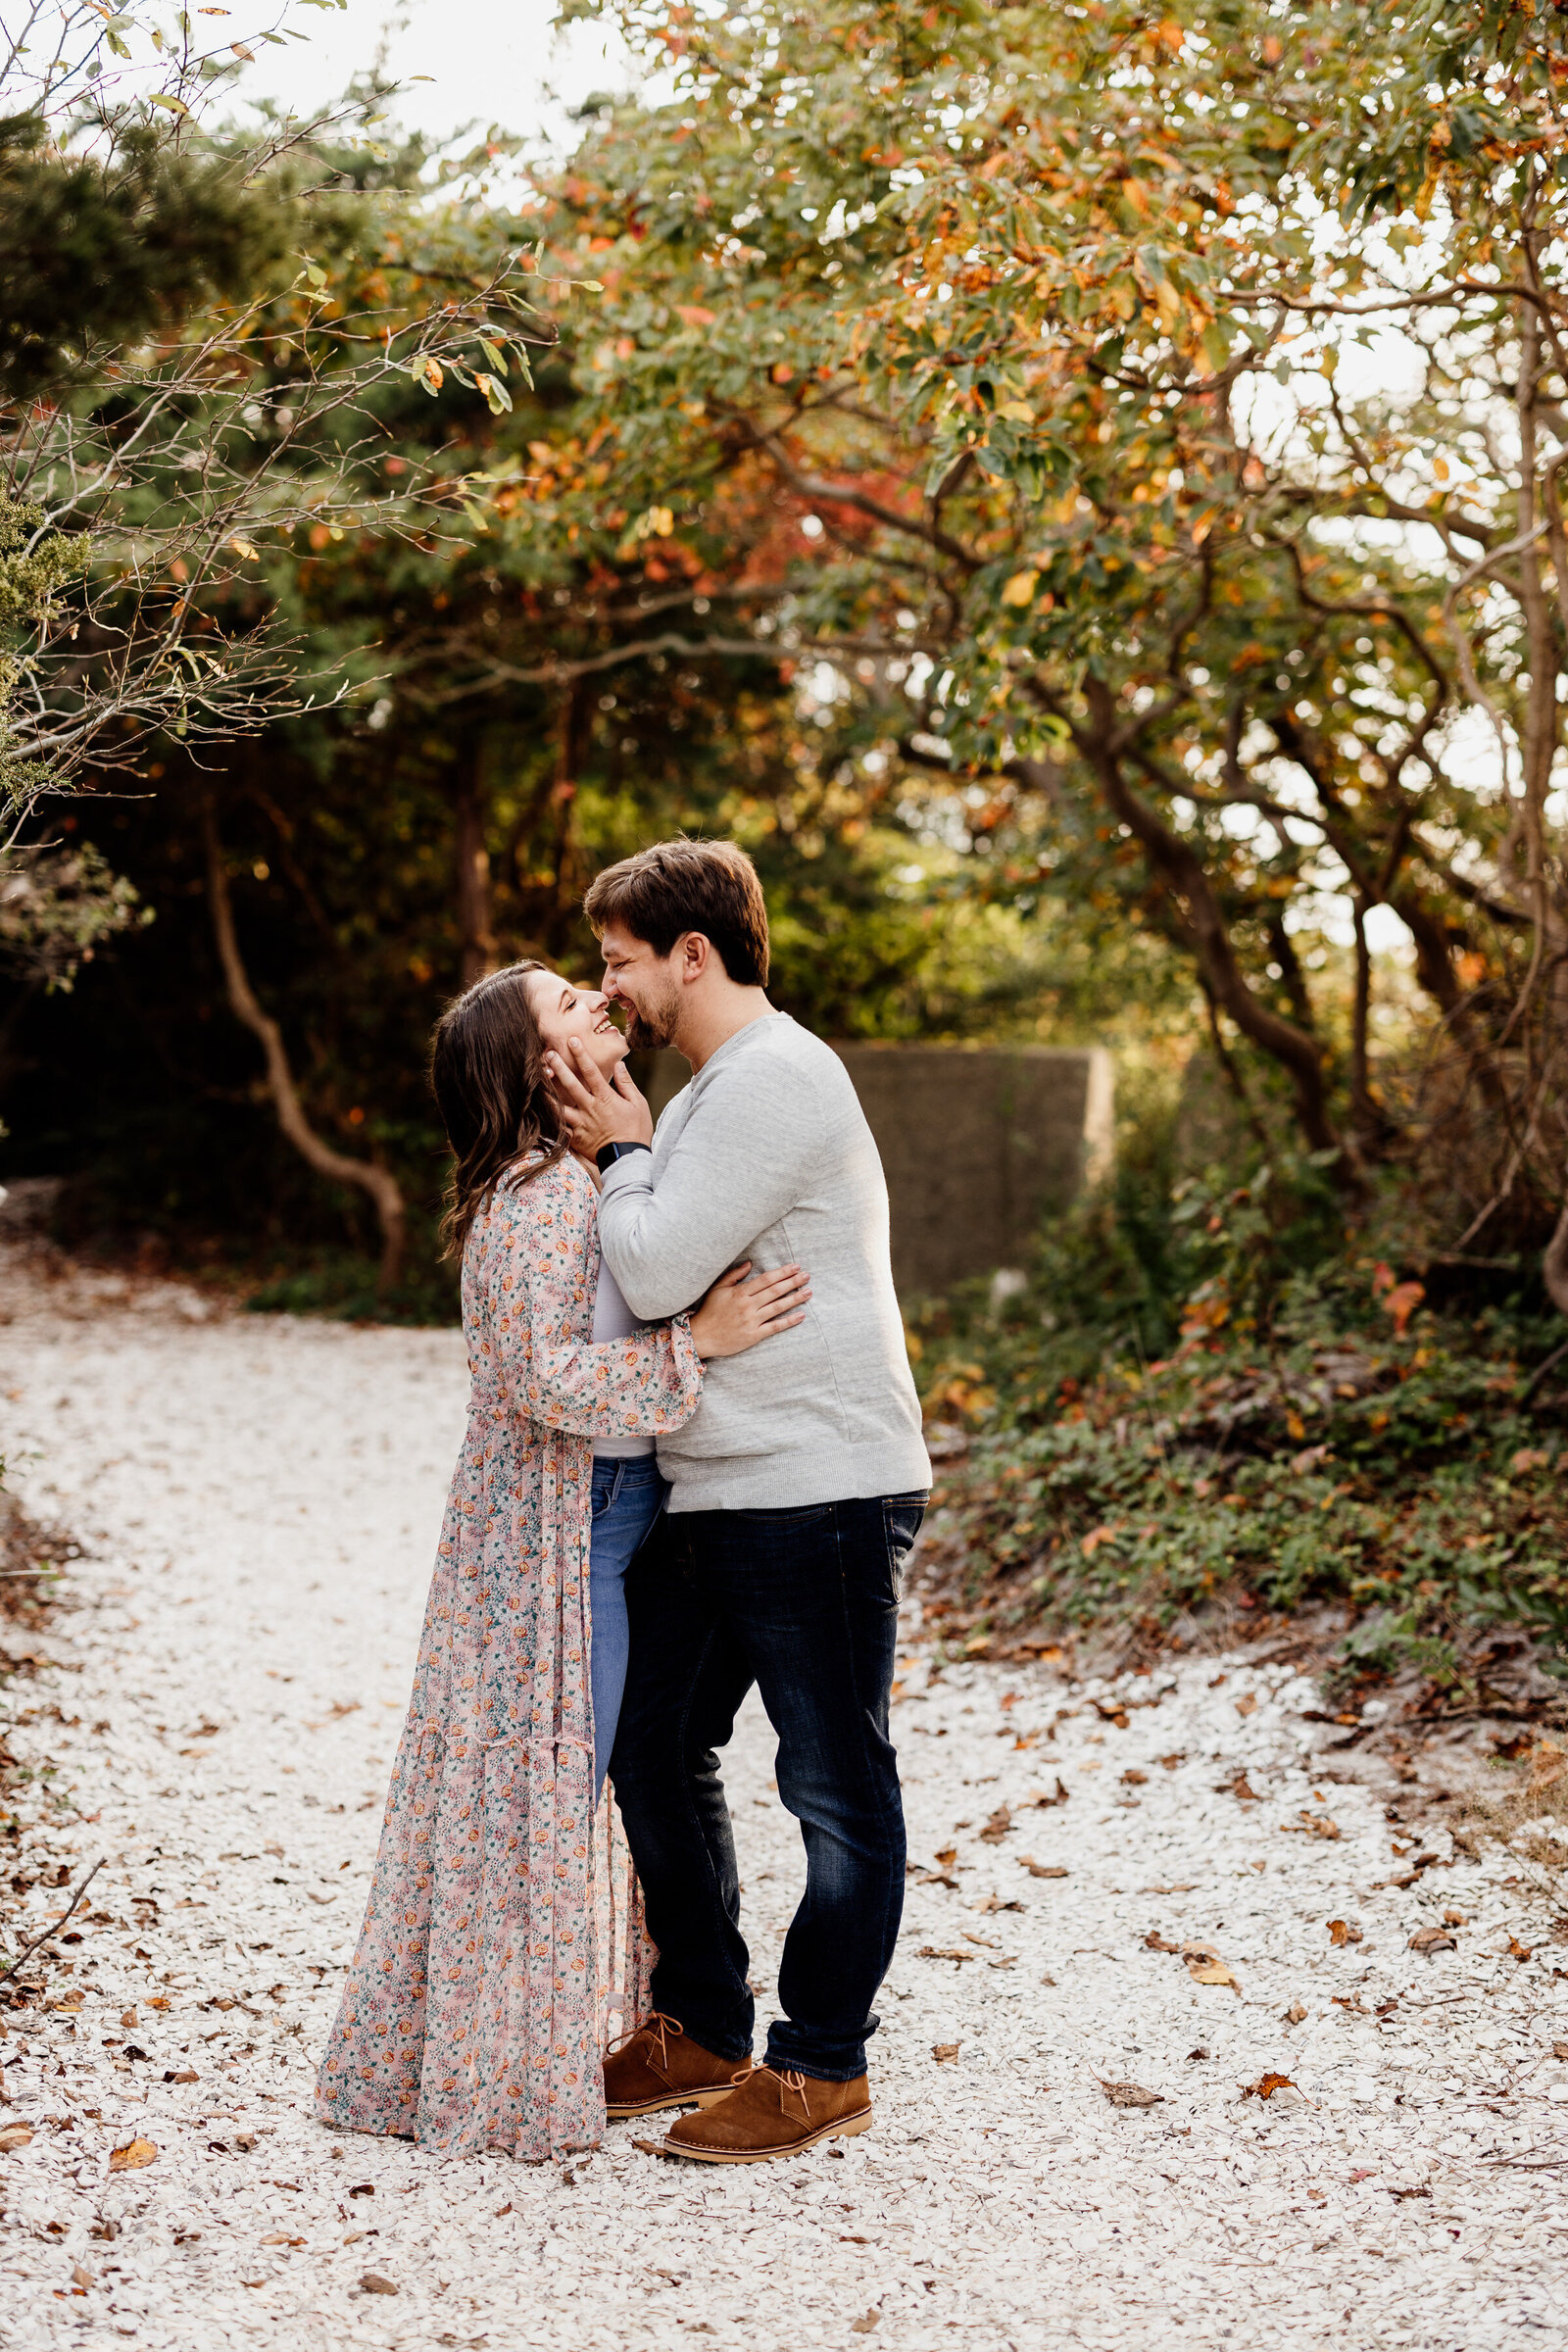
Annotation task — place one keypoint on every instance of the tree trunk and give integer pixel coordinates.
(379, 1183)
(476, 918)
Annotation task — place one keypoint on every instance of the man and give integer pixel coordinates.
(797, 1489)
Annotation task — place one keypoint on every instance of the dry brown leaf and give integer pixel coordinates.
(372, 2283)
(1559, 2049)
(1156, 1942)
(947, 1856)
(1520, 1951)
(1266, 2085)
(994, 1902)
(930, 1952)
(13, 2135)
(132, 2156)
(281, 2237)
(997, 1827)
(865, 2325)
(1344, 1931)
(1206, 1967)
(946, 2052)
(1040, 1799)
(1246, 1704)
(1044, 1870)
(185, 2074)
(128, 2018)
(1453, 1919)
(986, 1943)
(1130, 2094)
(1240, 1786)
(1296, 2014)
(1111, 1714)
(1311, 1825)
(1132, 1778)
(1432, 1939)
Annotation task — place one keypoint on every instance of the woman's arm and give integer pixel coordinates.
(541, 1234)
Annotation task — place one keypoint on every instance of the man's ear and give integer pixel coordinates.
(695, 954)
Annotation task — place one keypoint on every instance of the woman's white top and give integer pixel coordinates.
(615, 1320)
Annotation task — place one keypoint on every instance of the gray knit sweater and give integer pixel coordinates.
(767, 1155)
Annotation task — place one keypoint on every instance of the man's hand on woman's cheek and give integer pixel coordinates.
(593, 1110)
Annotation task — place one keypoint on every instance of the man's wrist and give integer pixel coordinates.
(606, 1154)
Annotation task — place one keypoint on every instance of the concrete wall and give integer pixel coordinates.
(978, 1143)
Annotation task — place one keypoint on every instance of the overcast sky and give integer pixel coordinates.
(489, 61)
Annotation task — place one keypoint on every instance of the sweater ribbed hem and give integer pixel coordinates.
(786, 1481)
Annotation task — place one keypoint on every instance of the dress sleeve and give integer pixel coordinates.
(635, 1386)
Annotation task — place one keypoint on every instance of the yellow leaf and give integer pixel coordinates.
(1020, 589)
(132, 2156)
(1017, 409)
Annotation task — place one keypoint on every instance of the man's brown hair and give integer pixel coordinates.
(680, 886)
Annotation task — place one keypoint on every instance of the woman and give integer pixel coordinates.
(474, 2015)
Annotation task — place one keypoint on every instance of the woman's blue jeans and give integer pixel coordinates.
(627, 1498)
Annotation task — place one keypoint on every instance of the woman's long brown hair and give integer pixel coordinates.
(487, 1070)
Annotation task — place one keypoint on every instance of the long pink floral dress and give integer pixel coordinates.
(502, 1930)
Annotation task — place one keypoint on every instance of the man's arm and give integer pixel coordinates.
(744, 1158)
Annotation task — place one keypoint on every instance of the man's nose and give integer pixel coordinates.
(610, 994)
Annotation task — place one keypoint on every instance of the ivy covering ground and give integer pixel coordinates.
(1336, 1433)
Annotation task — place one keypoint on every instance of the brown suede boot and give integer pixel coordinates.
(770, 2113)
(660, 2066)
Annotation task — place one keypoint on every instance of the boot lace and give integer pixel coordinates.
(658, 2026)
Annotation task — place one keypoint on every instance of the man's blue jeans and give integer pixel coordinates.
(627, 1498)
(803, 1604)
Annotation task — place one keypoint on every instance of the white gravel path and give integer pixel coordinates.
(262, 1501)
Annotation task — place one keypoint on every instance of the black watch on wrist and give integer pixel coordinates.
(607, 1153)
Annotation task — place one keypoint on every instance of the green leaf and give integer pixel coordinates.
(496, 393)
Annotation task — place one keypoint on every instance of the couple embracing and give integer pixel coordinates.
(693, 1463)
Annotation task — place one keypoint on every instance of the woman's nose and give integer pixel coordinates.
(596, 1000)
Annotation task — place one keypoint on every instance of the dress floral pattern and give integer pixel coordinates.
(504, 1929)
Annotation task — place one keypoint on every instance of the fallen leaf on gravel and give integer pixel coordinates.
(1547, 1764)
(281, 2237)
(1351, 2001)
(1402, 2193)
(1453, 1919)
(947, 1856)
(363, 2188)
(1311, 1825)
(1044, 1870)
(987, 1943)
(997, 1827)
(931, 1878)
(1266, 2085)
(1132, 1778)
(1431, 1939)
(186, 2073)
(1156, 1942)
(1246, 1704)
(930, 1952)
(372, 2283)
(132, 2156)
(1011, 1962)
(15, 2136)
(1199, 2052)
(128, 2018)
(1239, 1786)
(1520, 1951)
(80, 2275)
(1169, 1763)
(649, 2147)
(158, 2003)
(502, 2211)
(994, 1902)
(1130, 2094)
(1114, 1713)
(1344, 1931)
(1559, 2049)
(1040, 1799)
(1363, 2172)
(863, 2327)
(1206, 1967)
(946, 2052)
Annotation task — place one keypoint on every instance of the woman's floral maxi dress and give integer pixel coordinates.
(475, 2012)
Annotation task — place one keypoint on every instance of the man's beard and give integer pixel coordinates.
(652, 1027)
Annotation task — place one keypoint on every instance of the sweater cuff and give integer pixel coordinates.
(633, 1174)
